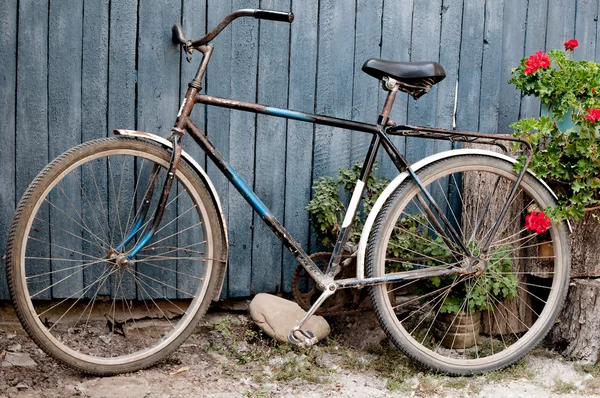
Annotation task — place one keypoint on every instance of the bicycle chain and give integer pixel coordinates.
(343, 302)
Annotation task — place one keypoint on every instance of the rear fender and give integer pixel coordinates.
(387, 192)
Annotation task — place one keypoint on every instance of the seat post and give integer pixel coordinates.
(391, 86)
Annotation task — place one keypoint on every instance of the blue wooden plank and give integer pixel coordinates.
(365, 89)
(94, 108)
(471, 58)
(122, 80)
(32, 123)
(561, 15)
(193, 20)
(241, 148)
(157, 106)
(425, 47)
(269, 180)
(535, 40)
(334, 84)
(513, 37)
(64, 132)
(450, 47)
(8, 76)
(397, 25)
(218, 82)
(302, 84)
(585, 29)
(491, 68)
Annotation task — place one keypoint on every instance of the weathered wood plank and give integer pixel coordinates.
(471, 58)
(397, 25)
(158, 102)
(450, 47)
(218, 82)
(300, 135)
(64, 132)
(365, 89)
(513, 37)
(585, 29)
(242, 148)
(425, 46)
(32, 123)
(270, 148)
(535, 40)
(193, 21)
(491, 69)
(334, 85)
(8, 85)
(122, 81)
(94, 108)
(561, 26)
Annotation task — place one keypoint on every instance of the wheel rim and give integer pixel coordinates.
(423, 327)
(142, 323)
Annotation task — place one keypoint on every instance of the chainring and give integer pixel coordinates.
(344, 301)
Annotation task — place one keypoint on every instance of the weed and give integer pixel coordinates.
(262, 393)
(563, 387)
(518, 370)
(223, 326)
(591, 368)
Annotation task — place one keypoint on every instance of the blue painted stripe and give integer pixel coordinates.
(140, 245)
(288, 114)
(247, 193)
(131, 234)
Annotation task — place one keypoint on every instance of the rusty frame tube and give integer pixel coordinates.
(288, 114)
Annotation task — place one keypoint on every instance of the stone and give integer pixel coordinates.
(277, 316)
(22, 386)
(14, 347)
(115, 387)
(18, 359)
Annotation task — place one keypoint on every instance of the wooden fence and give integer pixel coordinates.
(73, 70)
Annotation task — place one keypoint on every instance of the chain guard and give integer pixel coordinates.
(344, 301)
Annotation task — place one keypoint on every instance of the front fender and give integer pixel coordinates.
(205, 179)
(364, 237)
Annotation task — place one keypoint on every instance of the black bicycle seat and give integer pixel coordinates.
(408, 72)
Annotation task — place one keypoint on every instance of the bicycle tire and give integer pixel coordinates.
(428, 349)
(96, 358)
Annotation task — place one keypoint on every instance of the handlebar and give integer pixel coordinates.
(179, 38)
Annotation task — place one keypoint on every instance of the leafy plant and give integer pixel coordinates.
(327, 209)
(497, 281)
(567, 158)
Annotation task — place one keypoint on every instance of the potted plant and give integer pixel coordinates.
(566, 136)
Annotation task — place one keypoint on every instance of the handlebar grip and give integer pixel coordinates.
(274, 15)
(177, 35)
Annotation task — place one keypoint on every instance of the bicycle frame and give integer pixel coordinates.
(379, 132)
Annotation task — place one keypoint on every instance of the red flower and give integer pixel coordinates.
(593, 115)
(535, 62)
(537, 222)
(571, 44)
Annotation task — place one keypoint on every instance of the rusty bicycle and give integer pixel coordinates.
(118, 246)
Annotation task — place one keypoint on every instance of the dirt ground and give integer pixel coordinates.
(230, 357)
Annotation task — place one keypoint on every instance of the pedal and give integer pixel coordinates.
(302, 338)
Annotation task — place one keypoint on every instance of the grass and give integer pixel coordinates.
(519, 370)
(563, 387)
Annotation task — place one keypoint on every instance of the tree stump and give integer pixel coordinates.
(576, 332)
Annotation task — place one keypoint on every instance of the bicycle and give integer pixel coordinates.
(95, 233)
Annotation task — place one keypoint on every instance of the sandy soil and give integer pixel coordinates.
(230, 357)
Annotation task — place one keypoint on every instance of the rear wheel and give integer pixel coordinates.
(504, 301)
(74, 292)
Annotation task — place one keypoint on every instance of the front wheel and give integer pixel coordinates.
(505, 299)
(74, 289)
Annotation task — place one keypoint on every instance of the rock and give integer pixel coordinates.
(115, 387)
(22, 386)
(14, 347)
(18, 359)
(277, 316)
